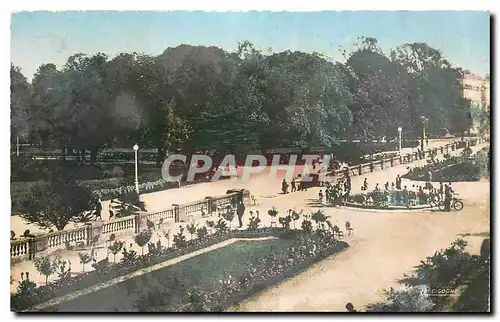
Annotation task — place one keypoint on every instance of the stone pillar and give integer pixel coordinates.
(360, 169)
(247, 200)
(371, 166)
(176, 212)
(31, 248)
(392, 161)
(88, 240)
(141, 222)
(210, 205)
(180, 213)
(382, 164)
(96, 235)
(41, 244)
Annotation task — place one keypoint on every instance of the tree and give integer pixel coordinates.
(381, 93)
(91, 121)
(320, 218)
(115, 248)
(20, 103)
(45, 266)
(129, 204)
(85, 258)
(50, 114)
(142, 238)
(191, 229)
(57, 202)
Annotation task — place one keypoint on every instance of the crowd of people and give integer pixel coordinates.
(336, 194)
(395, 193)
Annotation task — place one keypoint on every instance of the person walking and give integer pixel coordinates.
(240, 211)
(111, 210)
(398, 182)
(98, 210)
(284, 186)
(320, 197)
(293, 184)
(365, 184)
(447, 198)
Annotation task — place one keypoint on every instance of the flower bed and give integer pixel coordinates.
(145, 187)
(43, 293)
(259, 274)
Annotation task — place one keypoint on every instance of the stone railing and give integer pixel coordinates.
(402, 159)
(162, 216)
(21, 249)
(98, 232)
(122, 225)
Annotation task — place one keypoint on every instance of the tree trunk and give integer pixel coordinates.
(83, 155)
(93, 156)
(63, 153)
(160, 156)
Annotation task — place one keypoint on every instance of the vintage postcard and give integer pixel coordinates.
(334, 161)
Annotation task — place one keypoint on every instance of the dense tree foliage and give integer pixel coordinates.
(196, 98)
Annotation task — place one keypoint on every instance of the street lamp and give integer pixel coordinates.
(399, 132)
(423, 124)
(136, 148)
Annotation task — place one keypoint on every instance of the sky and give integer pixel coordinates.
(51, 37)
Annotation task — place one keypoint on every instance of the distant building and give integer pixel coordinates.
(477, 89)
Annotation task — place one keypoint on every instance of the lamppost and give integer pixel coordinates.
(136, 148)
(399, 135)
(423, 124)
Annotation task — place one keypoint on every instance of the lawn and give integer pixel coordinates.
(204, 271)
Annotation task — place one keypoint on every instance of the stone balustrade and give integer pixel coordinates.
(119, 225)
(89, 234)
(162, 216)
(20, 249)
(61, 238)
(394, 161)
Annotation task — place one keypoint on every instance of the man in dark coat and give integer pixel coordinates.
(240, 211)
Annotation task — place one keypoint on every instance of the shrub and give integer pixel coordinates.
(202, 233)
(191, 229)
(320, 218)
(295, 217)
(211, 225)
(142, 238)
(26, 286)
(228, 215)
(253, 224)
(179, 239)
(306, 225)
(221, 227)
(410, 299)
(285, 222)
(129, 258)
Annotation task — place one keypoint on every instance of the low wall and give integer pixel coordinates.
(100, 231)
(402, 159)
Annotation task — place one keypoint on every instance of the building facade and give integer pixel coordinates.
(477, 89)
